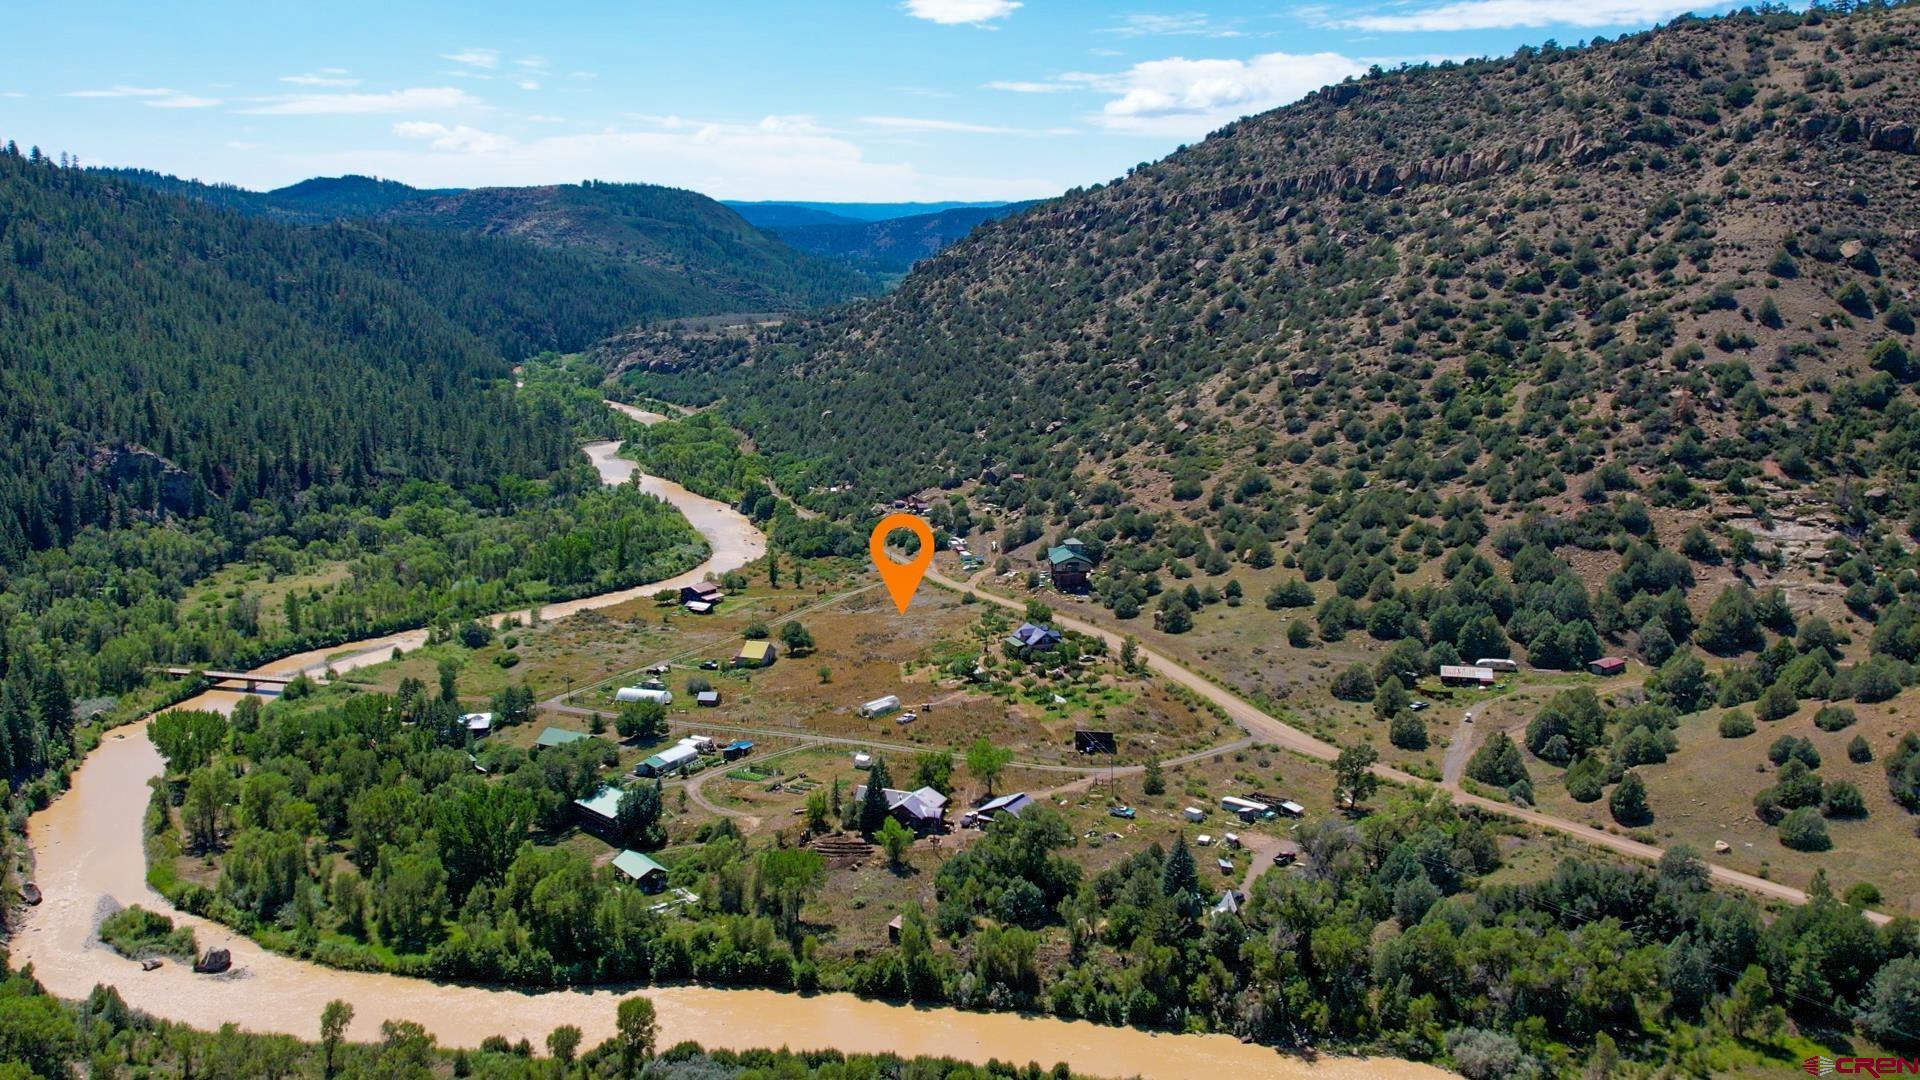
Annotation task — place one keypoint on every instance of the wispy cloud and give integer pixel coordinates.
(323, 77)
(960, 12)
(153, 97)
(1016, 87)
(535, 62)
(919, 125)
(410, 100)
(1187, 24)
(480, 58)
(458, 138)
(1183, 98)
(529, 84)
(1504, 14)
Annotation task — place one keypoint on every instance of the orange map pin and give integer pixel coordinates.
(903, 579)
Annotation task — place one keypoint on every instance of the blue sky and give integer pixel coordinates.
(865, 100)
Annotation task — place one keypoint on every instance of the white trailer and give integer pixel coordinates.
(643, 693)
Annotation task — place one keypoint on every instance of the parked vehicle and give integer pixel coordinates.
(1121, 812)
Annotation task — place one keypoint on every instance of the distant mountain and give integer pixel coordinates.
(346, 196)
(893, 245)
(685, 246)
(771, 214)
(669, 229)
(323, 198)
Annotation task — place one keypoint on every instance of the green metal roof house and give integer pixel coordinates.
(555, 736)
(601, 810)
(642, 871)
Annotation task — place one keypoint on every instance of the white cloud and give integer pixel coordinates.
(1016, 87)
(1499, 14)
(918, 125)
(960, 12)
(535, 62)
(1184, 98)
(323, 77)
(481, 58)
(155, 97)
(409, 100)
(459, 138)
(778, 157)
(529, 84)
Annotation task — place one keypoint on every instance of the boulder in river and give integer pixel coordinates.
(213, 962)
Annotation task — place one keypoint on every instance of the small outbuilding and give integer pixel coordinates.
(1463, 675)
(1498, 663)
(707, 699)
(736, 750)
(1608, 665)
(754, 654)
(880, 706)
(650, 876)
(1005, 805)
(666, 761)
(655, 694)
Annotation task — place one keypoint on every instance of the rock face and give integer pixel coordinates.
(213, 962)
(121, 466)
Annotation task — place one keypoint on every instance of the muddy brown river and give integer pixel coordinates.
(89, 860)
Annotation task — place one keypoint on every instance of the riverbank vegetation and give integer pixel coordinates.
(41, 1036)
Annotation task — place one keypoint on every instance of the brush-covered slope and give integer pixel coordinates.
(1691, 250)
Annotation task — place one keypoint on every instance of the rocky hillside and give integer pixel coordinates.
(1609, 296)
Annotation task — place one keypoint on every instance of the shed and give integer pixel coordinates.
(754, 654)
(1011, 805)
(1194, 813)
(736, 750)
(862, 759)
(707, 699)
(880, 706)
(478, 723)
(1290, 808)
(699, 607)
(1462, 675)
(554, 736)
(1246, 808)
(641, 870)
(643, 693)
(1608, 665)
